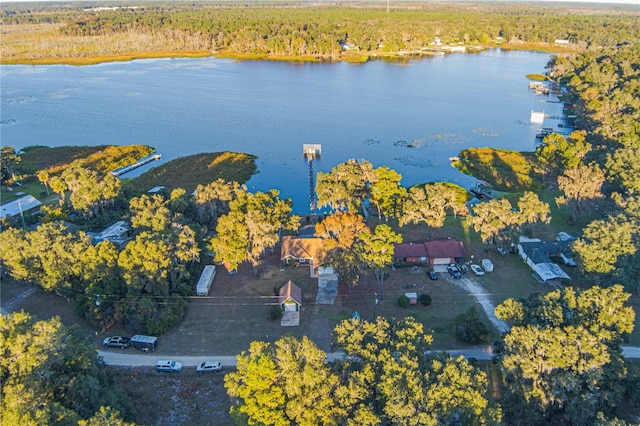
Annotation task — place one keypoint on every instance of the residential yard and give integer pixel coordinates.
(236, 313)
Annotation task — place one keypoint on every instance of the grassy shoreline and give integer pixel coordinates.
(356, 58)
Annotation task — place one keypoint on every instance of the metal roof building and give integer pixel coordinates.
(21, 205)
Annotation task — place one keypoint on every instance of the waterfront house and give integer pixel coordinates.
(302, 251)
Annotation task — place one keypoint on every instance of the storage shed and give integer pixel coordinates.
(290, 301)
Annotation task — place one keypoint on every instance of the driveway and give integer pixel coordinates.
(482, 297)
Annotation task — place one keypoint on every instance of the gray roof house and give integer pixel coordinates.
(539, 256)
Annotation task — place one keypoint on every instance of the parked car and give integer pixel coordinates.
(433, 275)
(168, 365)
(209, 367)
(487, 265)
(116, 342)
(454, 271)
(477, 270)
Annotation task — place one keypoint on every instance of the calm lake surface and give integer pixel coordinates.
(373, 111)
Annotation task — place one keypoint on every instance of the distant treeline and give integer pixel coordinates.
(294, 30)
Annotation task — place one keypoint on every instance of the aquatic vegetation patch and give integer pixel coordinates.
(410, 160)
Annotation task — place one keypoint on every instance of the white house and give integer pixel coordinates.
(20, 206)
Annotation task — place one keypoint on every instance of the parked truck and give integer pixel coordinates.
(144, 343)
(116, 342)
(205, 281)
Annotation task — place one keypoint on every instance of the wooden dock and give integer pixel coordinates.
(139, 163)
(311, 152)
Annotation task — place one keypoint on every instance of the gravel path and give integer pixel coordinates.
(482, 297)
(8, 307)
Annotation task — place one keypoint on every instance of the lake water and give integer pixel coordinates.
(373, 111)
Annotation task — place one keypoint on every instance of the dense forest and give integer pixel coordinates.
(64, 32)
(594, 173)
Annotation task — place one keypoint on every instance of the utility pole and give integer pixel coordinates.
(375, 303)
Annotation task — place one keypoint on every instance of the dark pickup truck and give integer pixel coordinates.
(116, 342)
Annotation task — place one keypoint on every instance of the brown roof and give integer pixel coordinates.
(290, 291)
(449, 247)
(301, 248)
(405, 250)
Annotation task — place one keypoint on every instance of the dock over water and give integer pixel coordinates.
(139, 163)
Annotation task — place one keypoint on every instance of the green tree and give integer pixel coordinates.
(392, 378)
(91, 191)
(150, 213)
(386, 192)
(346, 186)
(8, 162)
(376, 250)
(283, 383)
(604, 242)
(50, 256)
(623, 166)
(231, 242)
(212, 200)
(260, 217)
(50, 375)
(470, 328)
(557, 154)
(581, 187)
(430, 204)
(144, 263)
(59, 186)
(493, 220)
(549, 381)
(43, 176)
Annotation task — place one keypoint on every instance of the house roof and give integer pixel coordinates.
(444, 248)
(290, 291)
(23, 204)
(536, 253)
(404, 250)
(301, 248)
(540, 251)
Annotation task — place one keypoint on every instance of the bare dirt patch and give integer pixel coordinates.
(185, 398)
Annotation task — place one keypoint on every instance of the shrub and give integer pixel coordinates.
(403, 301)
(425, 299)
(470, 328)
(275, 313)
(276, 289)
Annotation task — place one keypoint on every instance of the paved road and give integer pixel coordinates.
(127, 358)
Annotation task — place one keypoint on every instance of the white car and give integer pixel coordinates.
(168, 365)
(477, 270)
(209, 367)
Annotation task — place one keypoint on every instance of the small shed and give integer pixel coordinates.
(413, 298)
(290, 299)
